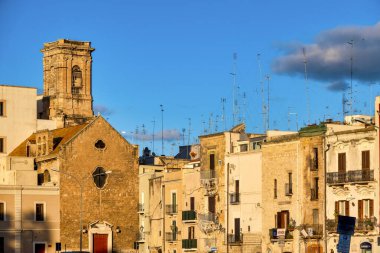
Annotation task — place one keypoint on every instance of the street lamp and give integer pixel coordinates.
(80, 183)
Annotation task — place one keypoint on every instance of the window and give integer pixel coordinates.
(100, 177)
(342, 207)
(275, 189)
(365, 160)
(244, 148)
(191, 233)
(212, 161)
(282, 219)
(100, 144)
(2, 212)
(365, 208)
(192, 203)
(40, 212)
(46, 176)
(40, 178)
(2, 145)
(315, 159)
(2, 108)
(315, 216)
(211, 204)
(77, 77)
(174, 202)
(342, 162)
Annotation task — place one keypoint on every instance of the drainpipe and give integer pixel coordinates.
(325, 192)
(164, 213)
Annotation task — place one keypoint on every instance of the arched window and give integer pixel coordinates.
(76, 77)
(100, 177)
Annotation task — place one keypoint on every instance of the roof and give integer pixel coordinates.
(61, 136)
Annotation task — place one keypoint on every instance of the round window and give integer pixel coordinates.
(100, 144)
(100, 177)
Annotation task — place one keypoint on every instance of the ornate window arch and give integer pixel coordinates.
(76, 74)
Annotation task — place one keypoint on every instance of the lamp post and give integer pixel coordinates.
(80, 183)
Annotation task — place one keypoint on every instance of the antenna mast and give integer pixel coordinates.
(268, 111)
(234, 100)
(263, 107)
(307, 87)
(189, 132)
(351, 42)
(162, 129)
(154, 124)
(223, 102)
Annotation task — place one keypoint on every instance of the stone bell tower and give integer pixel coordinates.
(67, 94)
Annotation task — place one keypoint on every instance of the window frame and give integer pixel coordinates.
(3, 144)
(44, 211)
(3, 108)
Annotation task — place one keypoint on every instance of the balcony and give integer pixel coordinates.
(313, 194)
(189, 216)
(140, 208)
(273, 234)
(208, 174)
(171, 237)
(140, 237)
(76, 90)
(350, 176)
(364, 225)
(235, 238)
(171, 209)
(189, 244)
(313, 230)
(331, 225)
(289, 189)
(210, 217)
(235, 198)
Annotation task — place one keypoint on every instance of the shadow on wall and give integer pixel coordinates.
(35, 236)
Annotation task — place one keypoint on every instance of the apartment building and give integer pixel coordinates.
(352, 177)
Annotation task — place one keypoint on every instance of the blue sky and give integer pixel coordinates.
(180, 54)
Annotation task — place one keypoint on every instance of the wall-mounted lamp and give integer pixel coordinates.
(118, 230)
(84, 230)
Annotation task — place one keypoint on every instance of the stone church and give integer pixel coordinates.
(92, 167)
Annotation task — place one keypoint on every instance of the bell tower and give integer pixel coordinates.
(67, 67)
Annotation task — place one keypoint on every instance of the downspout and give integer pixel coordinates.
(325, 193)
(164, 211)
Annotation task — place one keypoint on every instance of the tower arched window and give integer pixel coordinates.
(46, 176)
(76, 79)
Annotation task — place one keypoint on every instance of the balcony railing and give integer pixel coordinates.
(350, 176)
(331, 225)
(171, 209)
(273, 234)
(288, 189)
(188, 216)
(208, 174)
(140, 207)
(76, 90)
(171, 237)
(140, 237)
(364, 225)
(234, 198)
(235, 238)
(189, 244)
(314, 194)
(313, 230)
(206, 217)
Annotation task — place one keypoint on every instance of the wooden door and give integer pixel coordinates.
(237, 229)
(100, 243)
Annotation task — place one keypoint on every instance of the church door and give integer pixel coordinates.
(100, 243)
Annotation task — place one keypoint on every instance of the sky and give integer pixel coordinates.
(197, 57)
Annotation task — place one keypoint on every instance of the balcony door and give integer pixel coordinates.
(237, 230)
(282, 219)
(365, 165)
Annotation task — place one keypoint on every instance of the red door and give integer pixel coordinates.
(100, 243)
(39, 248)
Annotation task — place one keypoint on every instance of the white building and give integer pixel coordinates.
(19, 116)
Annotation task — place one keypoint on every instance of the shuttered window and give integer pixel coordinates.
(365, 209)
(342, 207)
(365, 159)
(342, 162)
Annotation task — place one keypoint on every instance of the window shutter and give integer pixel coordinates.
(360, 209)
(337, 207)
(371, 207)
(347, 211)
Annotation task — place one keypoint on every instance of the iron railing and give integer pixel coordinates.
(189, 243)
(313, 194)
(350, 176)
(235, 238)
(171, 209)
(313, 230)
(234, 198)
(206, 217)
(208, 174)
(288, 189)
(189, 215)
(171, 237)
